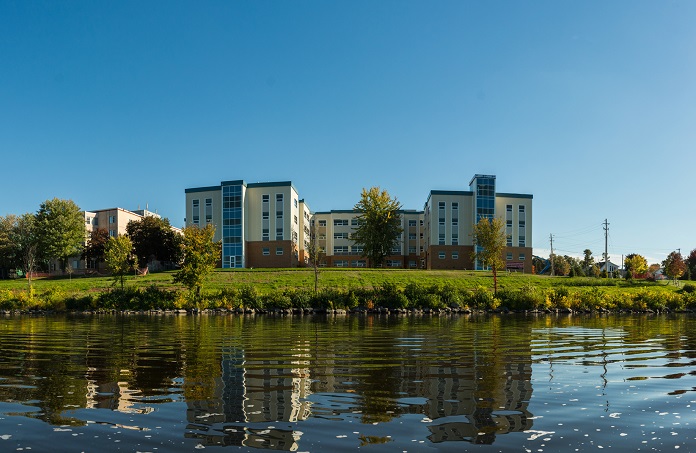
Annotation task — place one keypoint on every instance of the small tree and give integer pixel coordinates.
(635, 264)
(588, 261)
(200, 256)
(118, 255)
(674, 266)
(490, 240)
(314, 253)
(691, 264)
(379, 224)
(60, 228)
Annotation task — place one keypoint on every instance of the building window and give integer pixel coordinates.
(412, 236)
(341, 263)
(521, 256)
(412, 264)
(266, 251)
(343, 235)
(208, 210)
(411, 223)
(279, 250)
(358, 263)
(455, 255)
(112, 218)
(294, 201)
(196, 214)
(322, 223)
(356, 250)
(509, 256)
(279, 234)
(441, 255)
(295, 219)
(455, 238)
(396, 250)
(412, 250)
(265, 234)
(340, 250)
(112, 233)
(522, 241)
(340, 222)
(441, 239)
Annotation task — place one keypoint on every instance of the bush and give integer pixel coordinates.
(451, 296)
(249, 297)
(482, 299)
(277, 300)
(415, 294)
(689, 288)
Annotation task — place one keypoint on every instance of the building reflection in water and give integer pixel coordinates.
(481, 393)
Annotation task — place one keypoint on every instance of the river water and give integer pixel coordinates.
(169, 383)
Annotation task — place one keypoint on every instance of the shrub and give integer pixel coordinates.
(415, 293)
(277, 300)
(689, 288)
(249, 297)
(451, 296)
(482, 299)
(388, 295)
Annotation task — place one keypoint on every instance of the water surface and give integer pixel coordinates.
(494, 383)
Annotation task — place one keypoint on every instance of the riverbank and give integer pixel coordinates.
(268, 291)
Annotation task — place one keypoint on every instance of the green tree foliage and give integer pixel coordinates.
(24, 238)
(379, 224)
(8, 249)
(154, 239)
(635, 264)
(490, 238)
(200, 256)
(561, 266)
(674, 265)
(691, 264)
(60, 227)
(96, 245)
(118, 255)
(588, 261)
(315, 254)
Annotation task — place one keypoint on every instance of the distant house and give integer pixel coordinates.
(612, 267)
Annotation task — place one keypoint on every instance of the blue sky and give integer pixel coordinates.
(590, 106)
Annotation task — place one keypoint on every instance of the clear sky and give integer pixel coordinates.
(588, 105)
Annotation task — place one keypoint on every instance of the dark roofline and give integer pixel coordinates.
(202, 189)
(355, 211)
(514, 195)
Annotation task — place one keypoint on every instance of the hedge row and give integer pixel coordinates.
(413, 296)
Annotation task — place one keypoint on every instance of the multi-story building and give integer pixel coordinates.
(334, 230)
(259, 224)
(451, 215)
(267, 225)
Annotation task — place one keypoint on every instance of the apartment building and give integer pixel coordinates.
(450, 216)
(334, 230)
(259, 224)
(268, 225)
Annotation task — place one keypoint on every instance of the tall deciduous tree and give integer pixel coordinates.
(200, 256)
(24, 237)
(635, 264)
(674, 266)
(490, 240)
(8, 249)
(118, 255)
(154, 239)
(379, 224)
(60, 227)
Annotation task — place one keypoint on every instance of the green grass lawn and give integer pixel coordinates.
(271, 280)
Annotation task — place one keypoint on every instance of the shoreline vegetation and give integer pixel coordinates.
(384, 291)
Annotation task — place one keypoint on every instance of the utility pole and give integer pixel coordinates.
(606, 248)
(551, 239)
